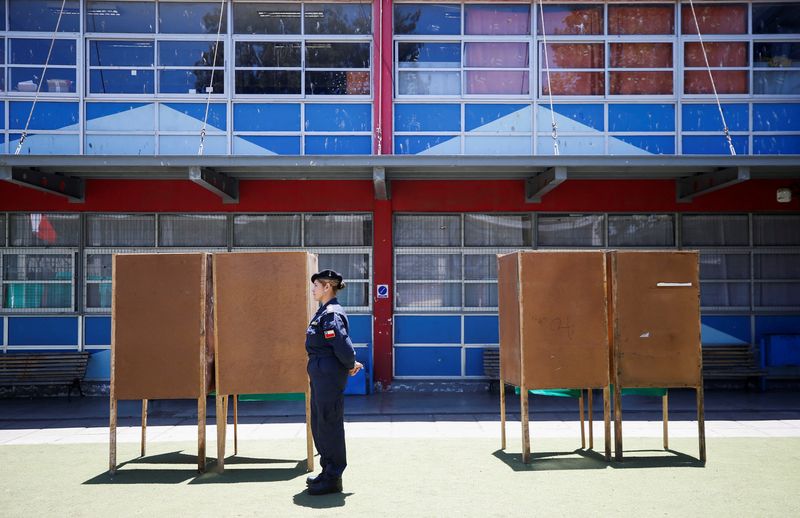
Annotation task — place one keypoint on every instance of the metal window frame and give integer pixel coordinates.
(71, 252)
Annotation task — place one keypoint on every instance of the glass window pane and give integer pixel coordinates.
(266, 18)
(120, 17)
(480, 267)
(42, 15)
(640, 83)
(337, 55)
(122, 53)
(191, 81)
(641, 230)
(776, 18)
(714, 230)
(723, 267)
(573, 83)
(268, 82)
(355, 294)
(56, 80)
(583, 230)
(627, 19)
(500, 82)
(776, 82)
(640, 55)
(776, 230)
(190, 53)
(429, 55)
(132, 81)
(337, 83)
(494, 230)
(98, 267)
(428, 267)
(721, 18)
(338, 18)
(777, 294)
(726, 81)
(495, 20)
(266, 54)
(2, 230)
(44, 229)
(34, 52)
(338, 230)
(480, 295)
(192, 230)
(727, 54)
(427, 19)
(427, 230)
(725, 294)
(776, 54)
(496, 54)
(267, 230)
(574, 55)
(429, 83)
(191, 18)
(572, 19)
(349, 266)
(98, 295)
(777, 266)
(428, 296)
(37, 267)
(120, 230)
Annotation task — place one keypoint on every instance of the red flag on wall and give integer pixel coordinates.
(43, 229)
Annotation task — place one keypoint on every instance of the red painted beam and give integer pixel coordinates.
(382, 309)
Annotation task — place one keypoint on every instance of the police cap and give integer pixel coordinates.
(327, 275)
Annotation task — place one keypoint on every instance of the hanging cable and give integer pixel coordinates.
(210, 87)
(713, 86)
(554, 126)
(41, 80)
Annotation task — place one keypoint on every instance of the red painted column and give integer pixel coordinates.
(382, 336)
(382, 73)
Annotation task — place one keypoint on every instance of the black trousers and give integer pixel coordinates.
(328, 380)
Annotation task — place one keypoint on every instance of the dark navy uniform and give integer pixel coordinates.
(330, 358)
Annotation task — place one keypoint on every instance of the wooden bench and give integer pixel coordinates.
(67, 368)
(731, 362)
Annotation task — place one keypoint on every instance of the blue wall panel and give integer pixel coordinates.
(656, 145)
(360, 328)
(725, 330)
(277, 144)
(478, 115)
(776, 145)
(99, 367)
(427, 117)
(473, 361)
(266, 117)
(97, 331)
(705, 117)
(427, 361)
(770, 325)
(46, 116)
(2, 115)
(581, 117)
(43, 331)
(189, 116)
(641, 117)
(338, 145)
(338, 117)
(120, 145)
(713, 145)
(434, 329)
(776, 117)
(412, 145)
(481, 329)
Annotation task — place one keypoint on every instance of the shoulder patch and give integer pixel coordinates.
(330, 333)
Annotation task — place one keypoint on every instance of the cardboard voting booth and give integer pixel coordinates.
(553, 327)
(655, 308)
(262, 307)
(160, 336)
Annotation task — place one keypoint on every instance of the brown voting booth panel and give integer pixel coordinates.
(262, 306)
(160, 343)
(553, 324)
(656, 328)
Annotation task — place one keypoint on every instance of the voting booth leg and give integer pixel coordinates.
(221, 422)
(607, 421)
(580, 412)
(701, 424)
(112, 444)
(617, 422)
(235, 424)
(309, 438)
(665, 418)
(201, 434)
(591, 412)
(144, 428)
(526, 438)
(502, 414)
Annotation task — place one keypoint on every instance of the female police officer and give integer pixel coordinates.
(331, 358)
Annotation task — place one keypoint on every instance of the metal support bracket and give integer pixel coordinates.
(70, 187)
(382, 186)
(537, 186)
(704, 183)
(218, 183)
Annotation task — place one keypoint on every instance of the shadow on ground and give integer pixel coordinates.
(303, 499)
(136, 472)
(589, 459)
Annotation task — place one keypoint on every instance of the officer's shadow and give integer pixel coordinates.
(303, 499)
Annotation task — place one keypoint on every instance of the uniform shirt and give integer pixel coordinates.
(327, 335)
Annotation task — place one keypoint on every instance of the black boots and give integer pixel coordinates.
(323, 485)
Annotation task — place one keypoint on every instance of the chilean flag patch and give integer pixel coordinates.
(330, 333)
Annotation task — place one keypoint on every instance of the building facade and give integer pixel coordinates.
(407, 143)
